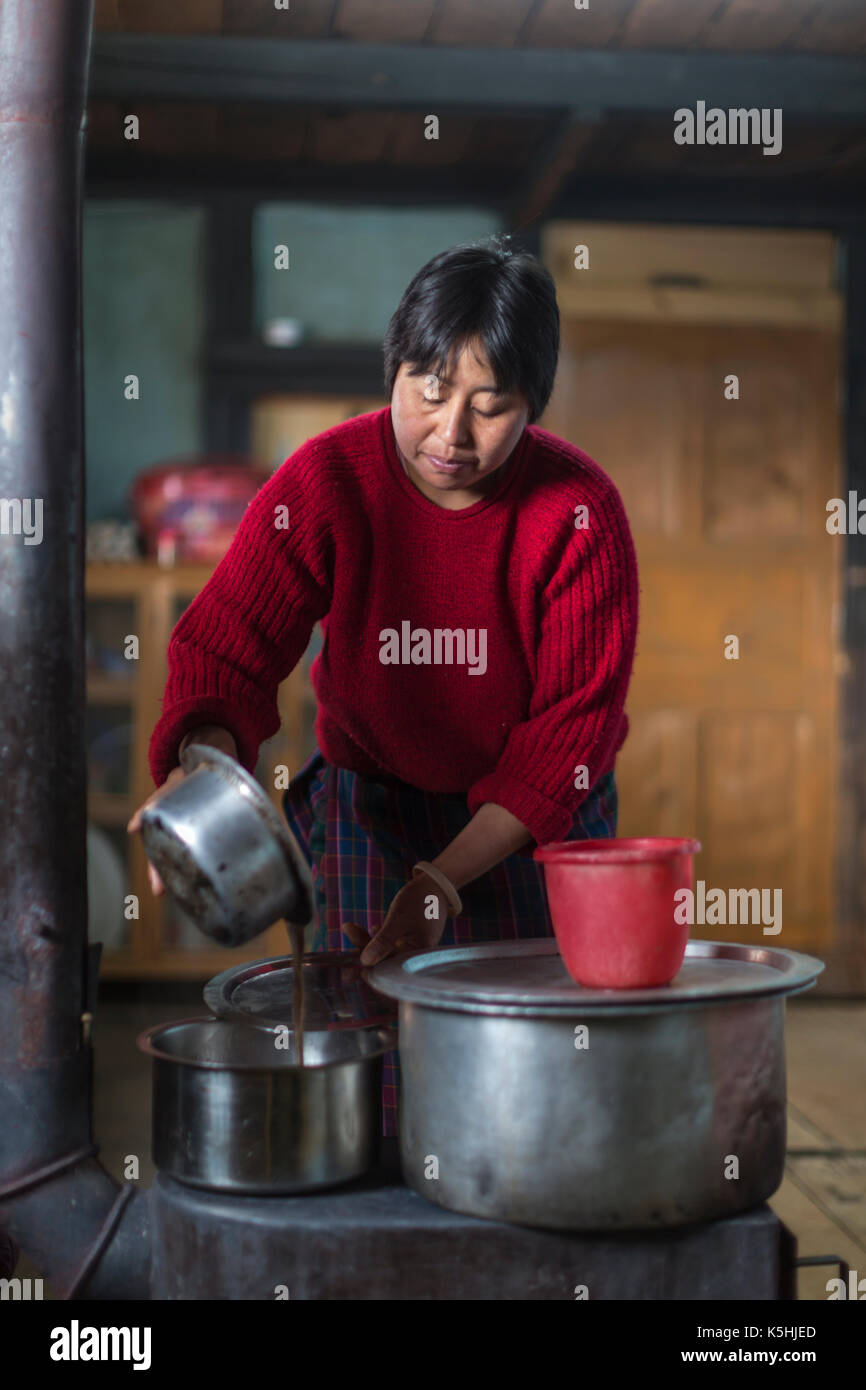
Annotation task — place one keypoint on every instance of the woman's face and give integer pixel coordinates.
(454, 431)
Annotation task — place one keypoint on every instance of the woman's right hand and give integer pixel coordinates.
(210, 734)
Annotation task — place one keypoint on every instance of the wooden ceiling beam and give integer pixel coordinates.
(119, 175)
(130, 67)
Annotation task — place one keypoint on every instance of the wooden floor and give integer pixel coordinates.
(822, 1199)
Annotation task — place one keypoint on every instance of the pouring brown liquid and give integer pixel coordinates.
(296, 937)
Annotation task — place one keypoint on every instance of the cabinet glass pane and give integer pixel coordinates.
(180, 933)
(348, 266)
(109, 748)
(108, 623)
(143, 306)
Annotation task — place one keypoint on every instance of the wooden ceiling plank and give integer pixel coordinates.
(649, 196)
(105, 15)
(181, 130)
(849, 159)
(757, 25)
(491, 23)
(504, 145)
(839, 27)
(559, 25)
(170, 16)
(383, 21)
(252, 132)
(808, 149)
(357, 137)
(510, 143)
(307, 138)
(164, 129)
(112, 174)
(402, 143)
(308, 20)
(666, 23)
(457, 140)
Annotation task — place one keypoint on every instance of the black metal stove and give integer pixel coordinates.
(377, 1239)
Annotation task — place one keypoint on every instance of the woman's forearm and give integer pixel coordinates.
(492, 834)
(214, 735)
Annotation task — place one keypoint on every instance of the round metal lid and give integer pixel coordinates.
(529, 977)
(336, 993)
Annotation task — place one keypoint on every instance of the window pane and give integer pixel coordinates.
(348, 267)
(142, 288)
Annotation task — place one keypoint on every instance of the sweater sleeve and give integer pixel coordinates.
(587, 634)
(251, 623)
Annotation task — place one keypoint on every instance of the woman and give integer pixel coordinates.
(476, 584)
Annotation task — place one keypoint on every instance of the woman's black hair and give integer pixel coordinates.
(487, 291)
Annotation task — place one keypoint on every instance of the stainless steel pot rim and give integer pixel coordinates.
(202, 755)
(220, 992)
(147, 1044)
(720, 972)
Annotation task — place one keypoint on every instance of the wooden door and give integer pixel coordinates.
(727, 502)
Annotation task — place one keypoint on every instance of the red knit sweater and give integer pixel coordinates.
(537, 614)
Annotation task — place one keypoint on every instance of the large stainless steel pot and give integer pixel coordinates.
(527, 1098)
(234, 1112)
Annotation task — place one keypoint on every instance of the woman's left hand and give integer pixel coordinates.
(406, 927)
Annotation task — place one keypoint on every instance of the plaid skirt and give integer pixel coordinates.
(361, 838)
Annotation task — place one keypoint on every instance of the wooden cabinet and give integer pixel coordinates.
(280, 424)
(131, 610)
(726, 495)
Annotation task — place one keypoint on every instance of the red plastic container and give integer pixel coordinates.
(612, 906)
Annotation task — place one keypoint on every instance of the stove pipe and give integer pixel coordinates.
(86, 1235)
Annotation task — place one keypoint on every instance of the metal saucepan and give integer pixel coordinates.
(224, 853)
(548, 1104)
(235, 1113)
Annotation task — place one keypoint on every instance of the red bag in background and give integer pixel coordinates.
(191, 511)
